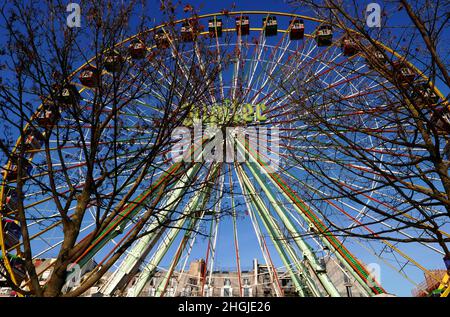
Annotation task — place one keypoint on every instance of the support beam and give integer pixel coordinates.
(144, 245)
(199, 199)
(306, 250)
(275, 232)
(353, 266)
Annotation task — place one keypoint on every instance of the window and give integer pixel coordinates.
(284, 282)
(45, 275)
(246, 281)
(170, 292)
(5, 291)
(187, 291)
(349, 291)
(227, 292)
(207, 291)
(192, 281)
(247, 292)
(346, 279)
(227, 282)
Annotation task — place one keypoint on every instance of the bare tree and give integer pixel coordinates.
(97, 140)
(394, 142)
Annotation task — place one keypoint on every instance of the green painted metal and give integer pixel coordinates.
(295, 235)
(200, 198)
(276, 235)
(346, 258)
(124, 217)
(187, 236)
(145, 244)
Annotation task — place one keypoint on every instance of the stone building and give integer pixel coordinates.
(256, 282)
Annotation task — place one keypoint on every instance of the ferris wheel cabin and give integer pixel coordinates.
(215, 27)
(243, 25)
(11, 200)
(375, 59)
(349, 46)
(423, 94)
(17, 265)
(161, 39)
(12, 233)
(137, 49)
(13, 170)
(90, 76)
(324, 35)
(33, 139)
(403, 73)
(297, 30)
(270, 26)
(113, 62)
(441, 120)
(189, 30)
(48, 116)
(67, 95)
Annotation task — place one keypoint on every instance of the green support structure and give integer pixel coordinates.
(120, 221)
(200, 198)
(296, 237)
(353, 266)
(144, 245)
(276, 235)
(187, 236)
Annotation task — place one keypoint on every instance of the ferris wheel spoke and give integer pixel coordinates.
(52, 247)
(80, 164)
(353, 238)
(235, 229)
(58, 222)
(357, 219)
(78, 146)
(302, 63)
(329, 86)
(198, 201)
(363, 191)
(144, 245)
(153, 92)
(258, 50)
(353, 265)
(270, 73)
(344, 98)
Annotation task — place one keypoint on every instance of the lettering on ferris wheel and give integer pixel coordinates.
(225, 113)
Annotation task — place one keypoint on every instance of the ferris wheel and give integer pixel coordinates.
(267, 207)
